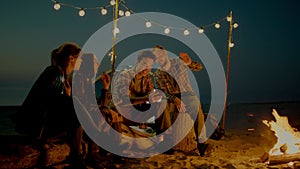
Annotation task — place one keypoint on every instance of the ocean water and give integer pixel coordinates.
(6, 125)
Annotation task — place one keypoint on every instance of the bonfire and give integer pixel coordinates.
(287, 148)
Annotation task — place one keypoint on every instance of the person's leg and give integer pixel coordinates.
(199, 126)
(194, 108)
(75, 140)
(164, 119)
(42, 159)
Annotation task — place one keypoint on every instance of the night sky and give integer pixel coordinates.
(264, 62)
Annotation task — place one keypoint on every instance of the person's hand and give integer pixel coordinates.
(155, 96)
(185, 58)
(180, 105)
(68, 90)
(105, 78)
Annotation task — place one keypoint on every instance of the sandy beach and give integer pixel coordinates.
(246, 140)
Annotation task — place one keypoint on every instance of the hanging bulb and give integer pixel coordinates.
(148, 24)
(127, 13)
(201, 30)
(56, 6)
(81, 12)
(217, 25)
(231, 44)
(186, 32)
(116, 31)
(121, 13)
(103, 11)
(112, 2)
(235, 25)
(110, 53)
(167, 30)
(228, 18)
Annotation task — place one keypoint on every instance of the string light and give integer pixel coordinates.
(103, 11)
(112, 2)
(148, 24)
(127, 13)
(201, 30)
(228, 18)
(235, 25)
(167, 30)
(121, 13)
(81, 12)
(217, 25)
(186, 32)
(56, 6)
(116, 31)
(231, 44)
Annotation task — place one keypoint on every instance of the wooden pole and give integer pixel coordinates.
(228, 67)
(113, 54)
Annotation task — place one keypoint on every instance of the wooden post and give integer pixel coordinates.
(228, 68)
(113, 55)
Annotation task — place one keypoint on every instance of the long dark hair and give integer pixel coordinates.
(60, 56)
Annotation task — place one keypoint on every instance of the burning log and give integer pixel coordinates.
(283, 158)
(287, 145)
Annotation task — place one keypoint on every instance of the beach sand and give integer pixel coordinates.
(246, 140)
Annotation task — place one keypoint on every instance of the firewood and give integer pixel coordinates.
(284, 158)
(265, 157)
(283, 148)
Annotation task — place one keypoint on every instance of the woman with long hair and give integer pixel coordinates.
(48, 110)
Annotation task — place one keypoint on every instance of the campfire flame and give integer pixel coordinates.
(288, 138)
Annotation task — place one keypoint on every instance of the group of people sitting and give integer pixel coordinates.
(138, 93)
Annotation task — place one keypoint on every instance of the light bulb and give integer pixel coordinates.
(81, 12)
(186, 32)
(201, 30)
(231, 44)
(127, 13)
(217, 25)
(56, 6)
(121, 13)
(116, 31)
(103, 11)
(235, 25)
(167, 30)
(228, 18)
(112, 2)
(110, 53)
(148, 24)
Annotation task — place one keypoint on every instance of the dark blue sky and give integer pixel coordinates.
(264, 63)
